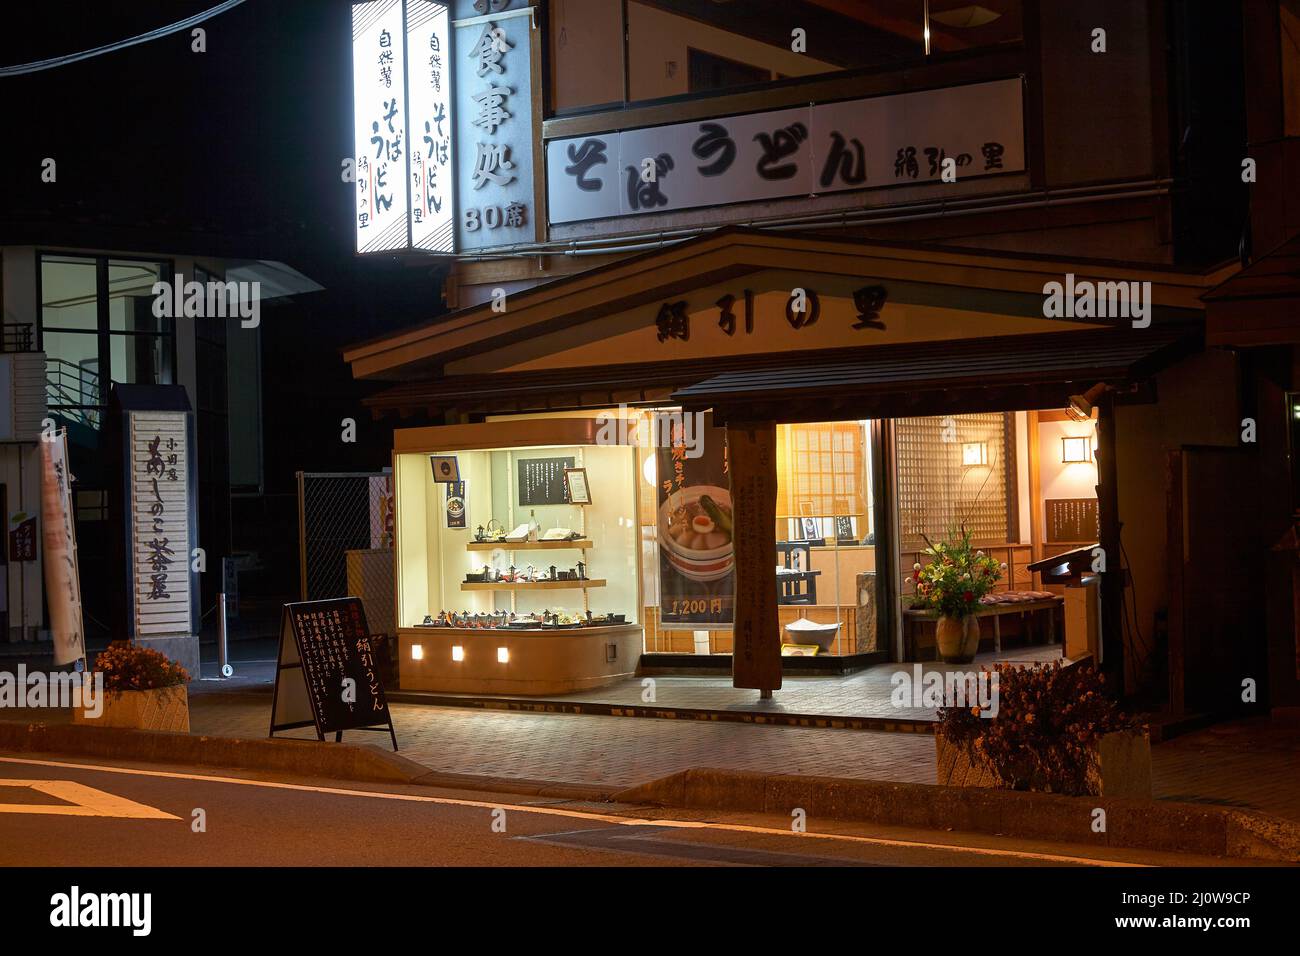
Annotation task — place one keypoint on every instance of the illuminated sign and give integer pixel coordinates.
(428, 50)
(403, 137)
(379, 126)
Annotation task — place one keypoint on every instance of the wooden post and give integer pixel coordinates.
(756, 653)
(1112, 581)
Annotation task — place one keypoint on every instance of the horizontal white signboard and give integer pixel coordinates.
(832, 147)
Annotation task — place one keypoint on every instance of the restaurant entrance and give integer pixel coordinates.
(867, 401)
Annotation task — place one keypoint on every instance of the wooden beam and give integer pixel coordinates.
(756, 655)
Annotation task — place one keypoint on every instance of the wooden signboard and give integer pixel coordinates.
(1072, 519)
(322, 645)
(756, 659)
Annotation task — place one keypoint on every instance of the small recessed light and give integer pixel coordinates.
(417, 652)
(503, 655)
(457, 652)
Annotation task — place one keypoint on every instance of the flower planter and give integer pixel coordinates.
(958, 638)
(163, 708)
(959, 766)
(1121, 766)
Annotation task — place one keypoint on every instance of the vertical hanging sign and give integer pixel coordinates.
(494, 124)
(59, 533)
(428, 50)
(159, 501)
(382, 204)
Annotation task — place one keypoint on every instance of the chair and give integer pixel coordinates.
(797, 587)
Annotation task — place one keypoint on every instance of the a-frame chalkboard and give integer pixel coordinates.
(322, 643)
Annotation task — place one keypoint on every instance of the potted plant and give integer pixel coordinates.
(951, 582)
(143, 690)
(1056, 730)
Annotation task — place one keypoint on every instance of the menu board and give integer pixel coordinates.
(323, 646)
(541, 481)
(1072, 519)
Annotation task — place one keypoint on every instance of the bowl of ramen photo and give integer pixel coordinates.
(695, 532)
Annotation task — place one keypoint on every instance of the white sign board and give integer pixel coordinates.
(379, 119)
(160, 523)
(428, 49)
(59, 536)
(494, 125)
(832, 147)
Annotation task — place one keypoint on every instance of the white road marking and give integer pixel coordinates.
(579, 814)
(86, 802)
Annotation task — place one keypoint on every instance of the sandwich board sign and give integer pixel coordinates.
(325, 674)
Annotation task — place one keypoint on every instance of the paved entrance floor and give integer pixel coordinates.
(865, 694)
(1249, 763)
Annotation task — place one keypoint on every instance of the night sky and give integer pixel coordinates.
(231, 153)
(239, 147)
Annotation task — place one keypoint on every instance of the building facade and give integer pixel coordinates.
(925, 265)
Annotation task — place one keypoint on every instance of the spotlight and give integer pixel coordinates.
(1081, 405)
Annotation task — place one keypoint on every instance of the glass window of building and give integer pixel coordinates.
(97, 327)
(608, 54)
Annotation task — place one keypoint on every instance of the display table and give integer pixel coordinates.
(914, 621)
(549, 661)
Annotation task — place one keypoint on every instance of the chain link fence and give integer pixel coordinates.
(345, 541)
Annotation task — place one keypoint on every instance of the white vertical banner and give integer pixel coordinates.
(160, 524)
(380, 125)
(59, 534)
(428, 50)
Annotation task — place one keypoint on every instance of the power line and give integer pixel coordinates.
(57, 61)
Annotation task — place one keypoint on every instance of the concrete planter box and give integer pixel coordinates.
(1121, 766)
(163, 708)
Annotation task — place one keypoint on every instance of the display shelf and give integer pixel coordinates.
(579, 544)
(532, 585)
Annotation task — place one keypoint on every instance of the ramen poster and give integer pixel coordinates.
(696, 557)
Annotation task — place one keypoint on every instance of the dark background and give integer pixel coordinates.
(234, 152)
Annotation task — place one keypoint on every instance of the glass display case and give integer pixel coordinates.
(517, 566)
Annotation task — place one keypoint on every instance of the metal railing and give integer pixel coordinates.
(68, 385)
(18, 337)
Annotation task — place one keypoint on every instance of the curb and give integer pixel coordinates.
(906, 725)
(1134, 824)
(309, 758)
(305, 757)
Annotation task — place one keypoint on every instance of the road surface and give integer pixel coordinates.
(57, 811)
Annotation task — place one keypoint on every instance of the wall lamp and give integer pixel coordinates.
(974, 453)
(1075, 450)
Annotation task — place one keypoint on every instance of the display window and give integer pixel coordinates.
(517, 566)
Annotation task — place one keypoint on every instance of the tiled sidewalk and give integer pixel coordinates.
(863, 694)
(1245, 763)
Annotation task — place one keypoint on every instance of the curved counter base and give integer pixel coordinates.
(535, 662)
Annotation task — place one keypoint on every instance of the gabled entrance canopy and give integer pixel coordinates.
(646, 327)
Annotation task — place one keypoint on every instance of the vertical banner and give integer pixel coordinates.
(428, 51)
(756, 659)
(159, 499)
(455, 504)
(59, 534)
(379, 125)
(695, 522)
(494, 126)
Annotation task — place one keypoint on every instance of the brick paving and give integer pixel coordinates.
(862, 694)
(1251, 763)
